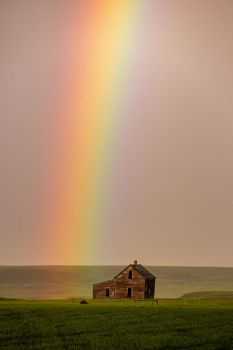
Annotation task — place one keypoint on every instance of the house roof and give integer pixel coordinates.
(140, 269)
(143, 271)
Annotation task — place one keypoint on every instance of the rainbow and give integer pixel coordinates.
(98, 72)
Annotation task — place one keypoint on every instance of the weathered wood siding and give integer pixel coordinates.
(137, 284)
(141, 288)
(99, 289)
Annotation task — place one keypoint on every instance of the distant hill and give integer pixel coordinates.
(9, 299)
(208, 295)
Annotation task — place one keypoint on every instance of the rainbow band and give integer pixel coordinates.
(99, 75)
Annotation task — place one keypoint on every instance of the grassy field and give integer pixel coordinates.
(166, 324)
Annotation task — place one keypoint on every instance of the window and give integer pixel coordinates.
(129, 294)
(130, 275)
(107, 292)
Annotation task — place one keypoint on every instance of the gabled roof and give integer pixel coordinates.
(143, 271)
(140, 269)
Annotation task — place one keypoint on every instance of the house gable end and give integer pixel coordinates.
(124, 274)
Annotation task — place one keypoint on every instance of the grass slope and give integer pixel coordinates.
(110, 325)
(208, 295)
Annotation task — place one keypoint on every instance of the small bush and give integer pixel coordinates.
(83, 301)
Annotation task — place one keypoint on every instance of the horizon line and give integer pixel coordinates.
(102, 265)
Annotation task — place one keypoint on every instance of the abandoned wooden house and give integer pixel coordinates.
(135, 281)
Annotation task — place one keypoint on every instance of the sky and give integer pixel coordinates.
(116, 132)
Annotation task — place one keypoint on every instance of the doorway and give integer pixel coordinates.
(129, 294)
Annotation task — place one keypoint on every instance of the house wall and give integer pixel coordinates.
(137, 283)
(99, 290)
(123, 275)
(120, 289)
(137, 288)
(149, 288)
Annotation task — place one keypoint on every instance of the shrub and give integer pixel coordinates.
(83, 301)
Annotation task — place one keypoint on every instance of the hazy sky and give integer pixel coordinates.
(173, 202)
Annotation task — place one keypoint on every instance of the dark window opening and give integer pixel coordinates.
(107, 292)
(130, 275)
(129, 294)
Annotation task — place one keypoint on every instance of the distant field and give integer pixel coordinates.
(109, 325)
(62, 282)
(208, 295)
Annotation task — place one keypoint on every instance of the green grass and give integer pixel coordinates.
(104, 324)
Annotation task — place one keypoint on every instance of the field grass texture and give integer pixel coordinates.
(124, 324)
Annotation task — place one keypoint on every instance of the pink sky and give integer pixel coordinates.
(171, 199)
